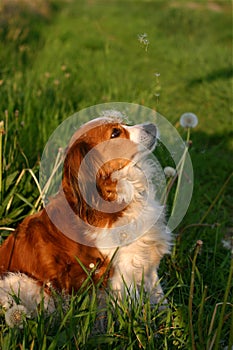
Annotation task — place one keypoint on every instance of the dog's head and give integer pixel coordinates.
(98, 153)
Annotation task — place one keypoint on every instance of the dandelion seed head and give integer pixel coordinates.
(199, 242)
(226, 244)
(143, 39)
(188, 120)
(169, 171)
(227, 241)
(15, 316)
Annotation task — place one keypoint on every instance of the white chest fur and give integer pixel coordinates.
(141, 232)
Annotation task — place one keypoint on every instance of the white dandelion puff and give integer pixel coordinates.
(188, 120)
(227, 243)
(143, 39)
(16, 315)
(169, 171)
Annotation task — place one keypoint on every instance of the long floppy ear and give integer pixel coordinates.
(79, 175)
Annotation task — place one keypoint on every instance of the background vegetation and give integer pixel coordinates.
(57, 57)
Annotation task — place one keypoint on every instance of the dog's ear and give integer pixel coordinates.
(74, 157)
(79, 174)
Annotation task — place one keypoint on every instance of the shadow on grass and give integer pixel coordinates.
(225, 73)
(211, 156)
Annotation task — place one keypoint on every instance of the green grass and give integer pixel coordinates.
(76, 54)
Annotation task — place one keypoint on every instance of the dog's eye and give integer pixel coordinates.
(115, 133)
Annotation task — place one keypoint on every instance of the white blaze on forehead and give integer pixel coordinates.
(143, 134)
(135, 133)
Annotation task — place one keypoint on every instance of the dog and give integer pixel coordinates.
(104, 224)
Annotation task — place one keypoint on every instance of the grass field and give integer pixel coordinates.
(57, 57)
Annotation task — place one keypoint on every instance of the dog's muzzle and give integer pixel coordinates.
(144, 135)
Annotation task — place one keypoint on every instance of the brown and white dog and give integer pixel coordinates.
(106, 200)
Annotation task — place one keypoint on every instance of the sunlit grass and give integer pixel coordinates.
(81, 53)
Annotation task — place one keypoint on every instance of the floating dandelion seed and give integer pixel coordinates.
(157, 86)
(143, 39)
(169, 171)
(15, 316)
(188, 120)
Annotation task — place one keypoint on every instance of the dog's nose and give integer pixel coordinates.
(150, 129)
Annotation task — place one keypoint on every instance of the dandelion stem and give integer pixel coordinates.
(1, 158)
(190, 304)
(180, 172)
(167, 190)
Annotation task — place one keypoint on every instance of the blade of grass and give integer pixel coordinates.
(231, 334)
(8, 200)
(58, 162)
(23, 199)
(54, 343)
(200, 318)
(216, 198)
(7, 228)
